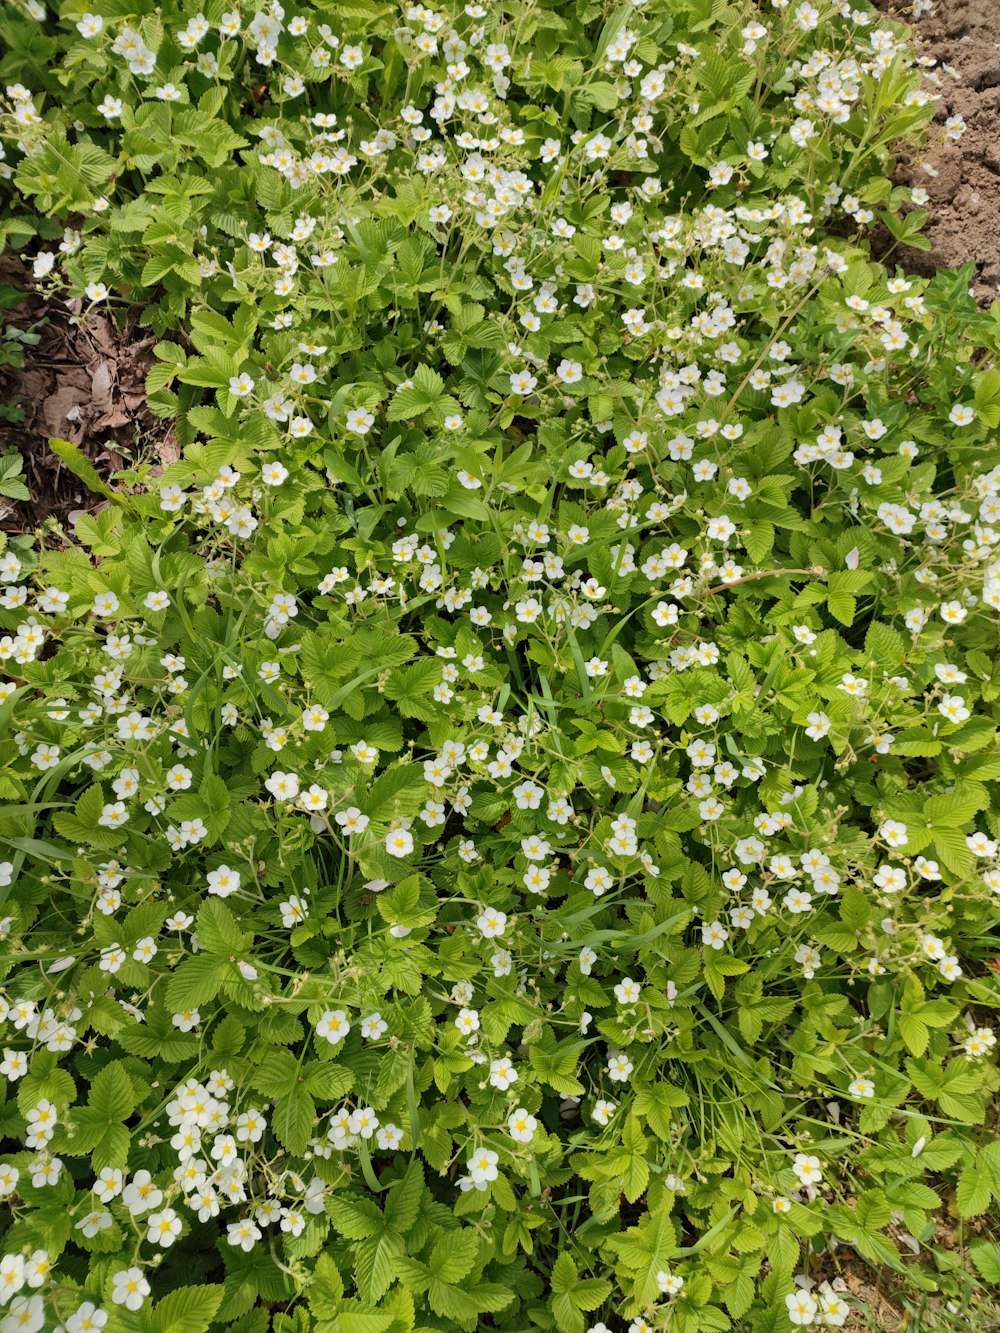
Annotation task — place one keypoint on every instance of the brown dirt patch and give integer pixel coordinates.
(964, 38)
(84, 381)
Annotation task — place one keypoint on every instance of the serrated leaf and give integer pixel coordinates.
(184, 1310)
(986, 1256)
(294, 1120)
(454, 1256)
(656, 1103)
(402, 1203)
(355, 1218)
(374, 1264)
(974, 1192)
(196, 981)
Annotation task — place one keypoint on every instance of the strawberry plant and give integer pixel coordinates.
(502, 833)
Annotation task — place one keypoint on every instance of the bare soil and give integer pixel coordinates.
(963, 37)
(84, 382)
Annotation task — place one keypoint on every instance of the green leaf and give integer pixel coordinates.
(217, 929)
(328, 1081)
(355, 1218)
(842, 585)
(402, 1203)
(81, 466)
(326, 1288)
(655, 1103)
(401, 788)
(570, 1295)
(98, 1127)
(914, 1032)
(644, 1251)
(276, 1073)
(977, 1186)
(854, 909)
(872, 1211)
(635, 1168)
(585, 1295)
(359, 1317)
(294, 1120)
(214, 795)
(426, 393)
(185, 1310)
(196, 981)
(603, 95)
(375, 1264)
(720, 966)
(973, 1194)
(111, 1094)
(454, 1256)
(986, 1256)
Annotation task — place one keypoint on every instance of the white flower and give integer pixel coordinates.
(952, 707)
(953, 613)
(714, 935)
(603, 1111)
(628, 991)
(802, 1309)
(108, 1184)
(244, 1234)
(853, 685)
(894, 833)
(521, 1125)
(293, 911)
(399, 842)
(598, 881)
(334, 1026)
(129, 1288)
(949, 968)
(482, 1166)
(223, 881)
(833, 1308)
(491, 923)
(163, 1228)
(11, 1276)
(250, 1126)
(273, 474)
(113, 815)
(807, 1169)
(619, 1067)
(373, 1027)
(819, 726)
(283, 786)
(502, 1073)
(359, 421)
(363, 1122)
(351, 820)
(528, 796)
(87, 1318)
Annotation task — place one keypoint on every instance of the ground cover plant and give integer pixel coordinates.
(503, 833)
